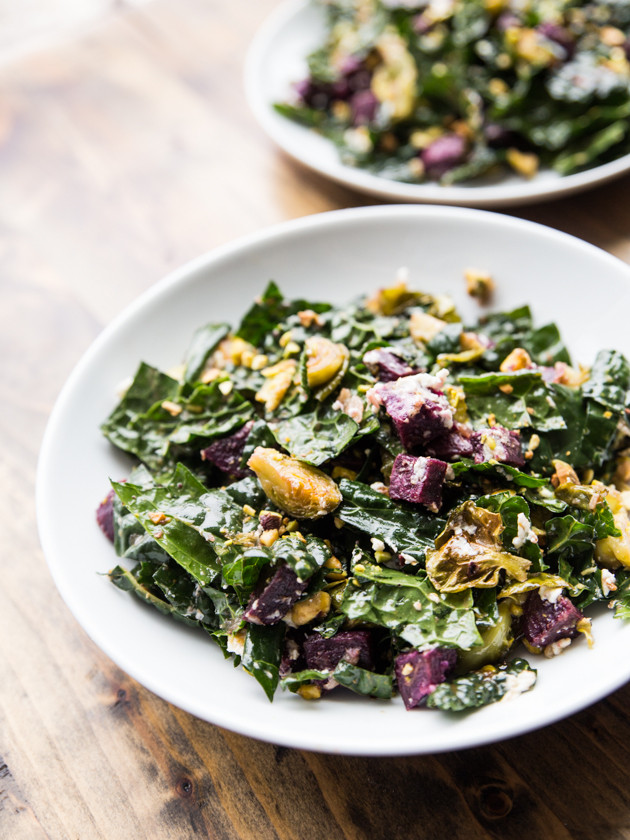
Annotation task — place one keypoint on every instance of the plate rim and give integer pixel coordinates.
(186, 272)
(487, 196)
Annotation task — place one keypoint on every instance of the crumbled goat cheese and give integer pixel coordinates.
(609, 582)
(419, 471)
(518, 684)
(556, 648)
(236, 643)
(358, 139)
(524, 532)
(377, 545)
(550, 594)
(350, 404)
(379, 487)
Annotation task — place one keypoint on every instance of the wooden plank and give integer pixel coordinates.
(122, 155)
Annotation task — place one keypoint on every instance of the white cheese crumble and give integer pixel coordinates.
(358, 139)
(550, 594)
(556, 648)
(518, 684)
(377, 545)
(419, 471)
(236, 643)
(350, 404)
(379, 487)
(524, 532)
(609, 582)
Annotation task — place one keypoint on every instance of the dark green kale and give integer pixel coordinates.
(481, 688)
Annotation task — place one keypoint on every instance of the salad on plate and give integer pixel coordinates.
(454, 91)
(378, 496)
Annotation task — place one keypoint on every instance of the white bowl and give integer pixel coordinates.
(277, 59)
(332, 256)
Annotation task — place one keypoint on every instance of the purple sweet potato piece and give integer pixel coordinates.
(385, 365)
(453, 445)
(105, 515)
(363, 104)
(270, 603)
(544, 622)
(419, 423)
(443, 154)
(417, 407)
(418, 480)
(498, 444)
(418, 673)
(354, 646)
(226, 453)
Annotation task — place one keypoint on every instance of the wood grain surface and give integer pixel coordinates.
(122, 154)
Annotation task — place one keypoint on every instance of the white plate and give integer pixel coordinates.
(329, 256)
(276, 60)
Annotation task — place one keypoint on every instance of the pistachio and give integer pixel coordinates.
(268, 538)
(479, 284)
(518, 359)
(525, 163)
(564, 473)
(310, 608)
(297, 488)
(309, 692)
(278, 381)
(324, 360)
(423, 327)
(233, 350)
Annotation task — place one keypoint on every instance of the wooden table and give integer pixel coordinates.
(122, 154)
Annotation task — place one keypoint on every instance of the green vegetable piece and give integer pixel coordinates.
(362, 681)
(297, 488)
(296, 680)
(468, 553)
(409, 605)
(316, 436)
(184, 519)
(139, 582)
(399, 526)
(157, 420)
(481, 688)
(204, 342)
(150, 387)
(305, 558)
(495, 643)
(262, 654)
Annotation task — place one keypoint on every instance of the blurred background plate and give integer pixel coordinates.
(277, 59)
(331, 256)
